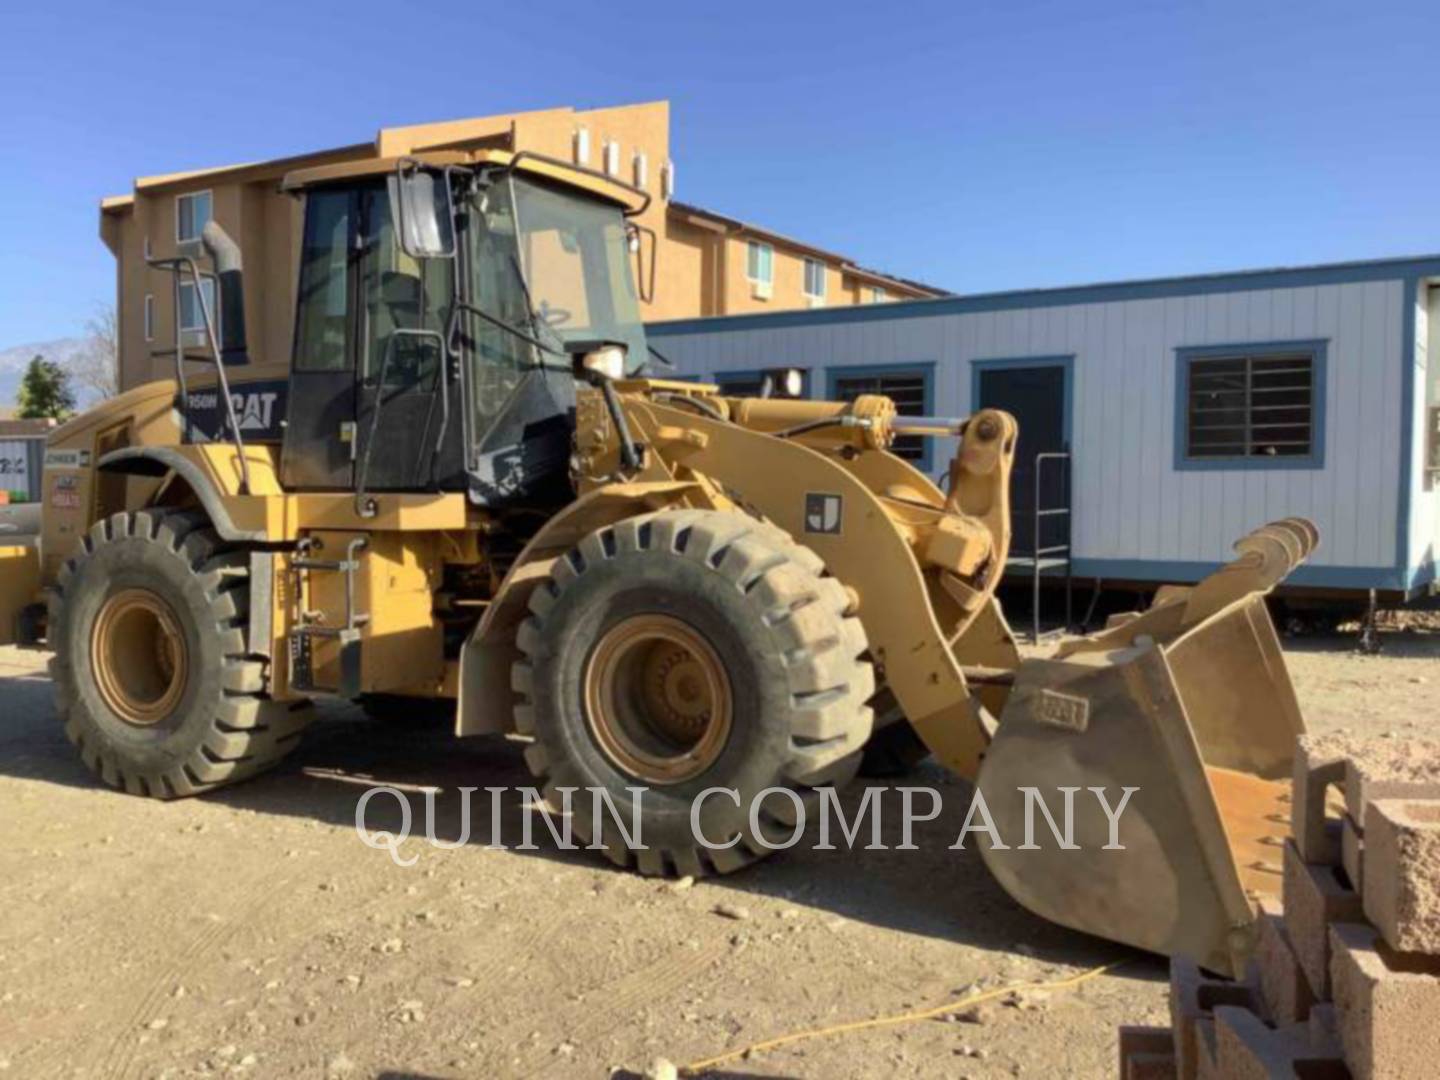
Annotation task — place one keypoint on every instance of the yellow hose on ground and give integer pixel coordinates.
(696, 1068)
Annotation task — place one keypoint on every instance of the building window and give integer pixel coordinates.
(815, 279)
(149, 254)
(759, 262)
(667, 180)
(1252, 405)
(907, 387)
(149, 316)
(582, 146)
(191, 214)
(641, 169)
(612, 158)
(192, 318)
(876, 294)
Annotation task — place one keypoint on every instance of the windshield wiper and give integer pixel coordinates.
(658, 355)
(501, 324)
(536, 320)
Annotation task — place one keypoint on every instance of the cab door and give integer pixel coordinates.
(318, 451)
(408, 422)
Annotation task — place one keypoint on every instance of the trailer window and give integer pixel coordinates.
(750, 383)
(1251, 405)
(910, 390)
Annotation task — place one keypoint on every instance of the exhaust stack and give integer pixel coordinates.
(229, 273)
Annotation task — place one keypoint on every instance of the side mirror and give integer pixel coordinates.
(636, 237)
(423, 211)
(783, 383)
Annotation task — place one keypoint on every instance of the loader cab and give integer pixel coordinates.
(437, 312)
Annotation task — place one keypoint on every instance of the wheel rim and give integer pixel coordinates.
(658, 699)
(139, 656)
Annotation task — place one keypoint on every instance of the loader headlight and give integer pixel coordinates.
(783, 382)
(607, 361)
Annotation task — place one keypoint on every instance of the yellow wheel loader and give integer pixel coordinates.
(466, 486)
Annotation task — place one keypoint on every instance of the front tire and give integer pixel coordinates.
(152, 676)
(688, 650)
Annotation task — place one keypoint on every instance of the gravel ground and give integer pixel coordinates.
(251, 932)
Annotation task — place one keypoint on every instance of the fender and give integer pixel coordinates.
(833, 510)
(487, 703)
(162, 460)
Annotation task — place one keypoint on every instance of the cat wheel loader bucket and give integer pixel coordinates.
(1188, 707)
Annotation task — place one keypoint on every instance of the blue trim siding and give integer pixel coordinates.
(1066, 361)
(1159, 570)
(1196, 285)
(1319, 384)
(924, 368)
(1407, 272)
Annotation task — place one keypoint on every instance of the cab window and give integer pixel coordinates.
(399, 293)
(322, 330)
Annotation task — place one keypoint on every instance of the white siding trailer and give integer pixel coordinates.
(21, 459)
(1194, 409)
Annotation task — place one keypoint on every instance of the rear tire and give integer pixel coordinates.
(688, 650)
(152, 676)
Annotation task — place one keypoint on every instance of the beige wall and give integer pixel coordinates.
(787, 289)
(701, 268)
(263, 222)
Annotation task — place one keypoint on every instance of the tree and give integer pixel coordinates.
(96, 367)
(45, 391)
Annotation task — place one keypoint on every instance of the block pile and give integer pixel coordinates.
(1345, 977)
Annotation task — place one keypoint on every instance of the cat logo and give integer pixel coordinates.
(822, 513)
(259, 412)
(255, 412)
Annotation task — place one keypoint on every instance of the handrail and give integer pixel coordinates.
(178, 266)
(1054, 549)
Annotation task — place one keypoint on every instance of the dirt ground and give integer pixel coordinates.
(251, 932)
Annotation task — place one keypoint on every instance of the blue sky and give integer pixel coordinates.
(978, 146)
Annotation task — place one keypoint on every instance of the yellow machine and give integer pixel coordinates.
(466, 486)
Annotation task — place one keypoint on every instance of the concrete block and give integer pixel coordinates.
(1247, 1048)
(1320, 763)
(1285, 994)
(1314, 897)
(1150, 1067)
(1387, 1004)
(1193, 996)
(1147, 1053)
(1352, 853)
(1402, 873)
(1391, 769)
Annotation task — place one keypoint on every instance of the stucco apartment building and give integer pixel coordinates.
(708, 264)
